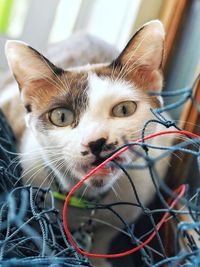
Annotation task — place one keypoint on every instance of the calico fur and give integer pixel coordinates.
(90, 93)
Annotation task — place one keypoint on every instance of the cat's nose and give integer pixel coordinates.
(96, 147)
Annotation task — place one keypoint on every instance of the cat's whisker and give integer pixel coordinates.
(39, 149)
(34, 153)
(46, 78)
(49, 181)
(52, 178)
(60, 164)
(117, 184)
(84, 191)
(29, 157)
(66, 83)
(58, 83)
(133, 67)
(132, 54)
(115, 192)
(21, 159)
(52, 70)
(42, 167)
(187, 123)
(29, 170)
(185, 138)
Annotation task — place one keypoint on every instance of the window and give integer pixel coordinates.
(40, 22)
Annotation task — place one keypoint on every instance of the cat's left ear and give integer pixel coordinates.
(141, 60)
(29, 67)
(33, 72)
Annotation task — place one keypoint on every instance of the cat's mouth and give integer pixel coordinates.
(103, 178)
(108, 169)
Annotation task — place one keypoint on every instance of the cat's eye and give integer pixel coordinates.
(61, 117)
(124, 109)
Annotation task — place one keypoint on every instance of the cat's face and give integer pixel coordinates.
(82, 115)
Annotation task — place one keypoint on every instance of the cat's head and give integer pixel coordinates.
(81, 115)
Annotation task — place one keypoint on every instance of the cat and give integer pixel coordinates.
(78, 116)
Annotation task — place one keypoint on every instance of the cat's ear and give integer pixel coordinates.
(27, 64)
(141, 60)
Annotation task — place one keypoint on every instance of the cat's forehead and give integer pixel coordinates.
(92, 85)
(105, 87)
(99, 80)
(77, 88)
(93, 91)
(70, 88)
(105, 67)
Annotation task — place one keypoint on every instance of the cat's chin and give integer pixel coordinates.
(102, 180)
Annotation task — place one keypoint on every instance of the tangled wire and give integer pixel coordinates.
(32, 233)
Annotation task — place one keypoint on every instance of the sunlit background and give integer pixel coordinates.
(48, 21)
(43, 22)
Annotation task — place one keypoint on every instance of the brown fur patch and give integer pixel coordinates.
(136, 78)
(67, 90)
(139, 78)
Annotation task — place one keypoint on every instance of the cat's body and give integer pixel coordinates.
(77, 117)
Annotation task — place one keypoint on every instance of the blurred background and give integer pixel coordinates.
(40, 23)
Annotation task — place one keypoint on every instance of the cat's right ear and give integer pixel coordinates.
(28, 65)
(141, 59)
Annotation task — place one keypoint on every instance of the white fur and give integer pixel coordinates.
(86, 67)
(104, 90)
(157, 26)
(95, 122)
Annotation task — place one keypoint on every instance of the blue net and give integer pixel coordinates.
(31, 233)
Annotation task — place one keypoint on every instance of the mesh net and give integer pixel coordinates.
(32, 233)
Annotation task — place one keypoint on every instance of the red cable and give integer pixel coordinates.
(180, 191)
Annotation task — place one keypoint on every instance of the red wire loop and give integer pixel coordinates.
(179, 192)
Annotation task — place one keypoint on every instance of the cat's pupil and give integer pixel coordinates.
(124, 110)
(62, 118)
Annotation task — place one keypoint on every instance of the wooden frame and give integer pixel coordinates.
(171, 15)
(189, 120)
(190, 114)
